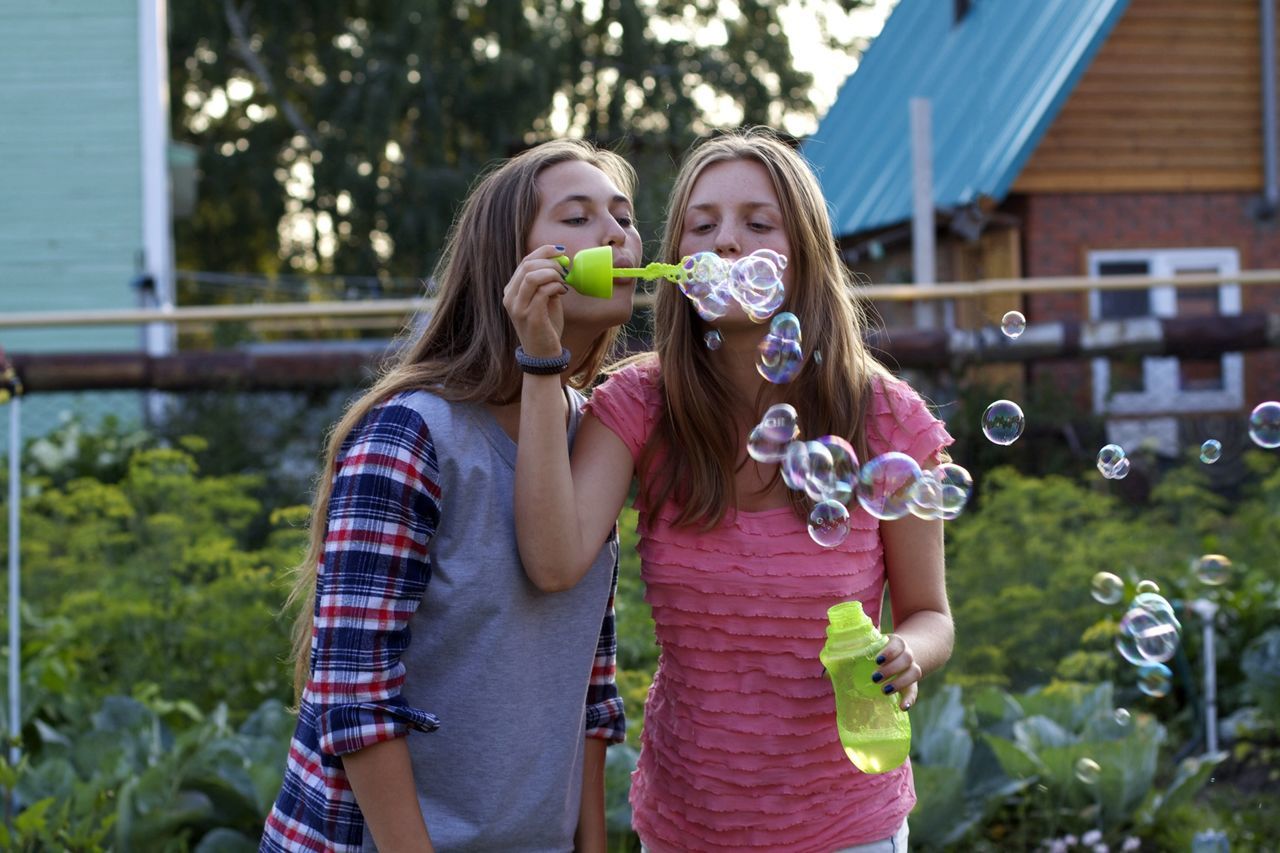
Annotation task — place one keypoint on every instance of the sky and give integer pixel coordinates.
(829, 67)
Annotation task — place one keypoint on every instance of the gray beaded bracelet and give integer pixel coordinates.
(542, 366)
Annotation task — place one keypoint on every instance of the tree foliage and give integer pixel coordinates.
(339, 137)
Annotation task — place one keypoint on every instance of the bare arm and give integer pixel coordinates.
(381, 777)
(592, 834)
(563, 515)
(923, 633)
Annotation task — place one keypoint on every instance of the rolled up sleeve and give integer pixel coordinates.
(606, 717)
(383, 511)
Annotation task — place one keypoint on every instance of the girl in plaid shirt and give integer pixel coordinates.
(422, 618)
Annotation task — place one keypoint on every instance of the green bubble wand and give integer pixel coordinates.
(592, 272)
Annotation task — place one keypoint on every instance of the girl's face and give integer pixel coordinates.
(580, 207)
(734, 211)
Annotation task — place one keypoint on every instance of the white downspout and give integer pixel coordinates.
(157, 217)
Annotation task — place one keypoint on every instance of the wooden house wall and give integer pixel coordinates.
(1171, 102)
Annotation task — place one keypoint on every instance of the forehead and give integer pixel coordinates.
(576, 178)
(733, 182)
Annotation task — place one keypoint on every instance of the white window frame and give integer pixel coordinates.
(1161, 374)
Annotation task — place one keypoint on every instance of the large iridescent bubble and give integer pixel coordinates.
(780, 353)
(1002, 422)
(795, 465)
(769, 439)
(885, 484)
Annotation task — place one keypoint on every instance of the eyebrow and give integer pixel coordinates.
(586, 199)
(750, 205)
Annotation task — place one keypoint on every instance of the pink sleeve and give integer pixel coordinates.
(902, 422)
(628, 403)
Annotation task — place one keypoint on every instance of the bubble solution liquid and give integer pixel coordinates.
(875, 733)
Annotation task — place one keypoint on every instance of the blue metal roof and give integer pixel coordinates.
(997, 80)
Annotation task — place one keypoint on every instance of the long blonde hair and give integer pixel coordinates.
(465, 351)
(830, 394)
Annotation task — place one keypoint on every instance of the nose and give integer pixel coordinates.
(727, 242)
(615, 235)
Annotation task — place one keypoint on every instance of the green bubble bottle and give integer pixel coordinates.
(875, 733)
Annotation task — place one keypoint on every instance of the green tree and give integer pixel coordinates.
(339, 137)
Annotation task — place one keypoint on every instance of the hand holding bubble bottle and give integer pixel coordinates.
(875, 733)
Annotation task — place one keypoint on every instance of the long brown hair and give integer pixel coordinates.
(464, 353)
(830, 394)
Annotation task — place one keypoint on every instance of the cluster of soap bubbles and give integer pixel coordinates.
(712, 284)
(1112, 463)
(1149, 632)
(827, 470)
(780, 352)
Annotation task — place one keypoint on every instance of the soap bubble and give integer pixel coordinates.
(763, 448)
(1013, 324)
(755, 281)
(780, 355)
(1121, 470)
(1211, 451)
(713, 340)
(1106, 588)
(1122, 717)
(1147, 585)
(829, 523)
(957, 486)
(705, 282)
(1264, 425)
(834, 481)
(1158, 605)
(795, 465)
(885, 483)
(1002, 422)
(781, 422)
(1088, 771)
(925, 498)
(1212, 569)
(1109, 457)
(1154, 679)
(1146, 635)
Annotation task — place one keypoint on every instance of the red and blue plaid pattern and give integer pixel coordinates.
(383, 512)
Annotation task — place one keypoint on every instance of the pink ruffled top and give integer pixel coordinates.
(740, 749)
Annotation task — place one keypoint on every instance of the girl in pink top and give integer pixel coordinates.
(740, 750)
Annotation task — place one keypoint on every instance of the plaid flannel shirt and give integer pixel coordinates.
(383, 512)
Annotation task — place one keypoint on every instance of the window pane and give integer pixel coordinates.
(1123, 304)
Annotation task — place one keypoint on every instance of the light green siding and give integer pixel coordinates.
(70, 166)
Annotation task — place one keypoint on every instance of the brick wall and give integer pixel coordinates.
(1061, 229)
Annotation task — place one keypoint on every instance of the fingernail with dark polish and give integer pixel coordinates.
(880, 659)
(906, 707)
(559, 248)
(888, 688)
(877, 677)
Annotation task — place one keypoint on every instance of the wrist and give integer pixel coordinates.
(543, 366)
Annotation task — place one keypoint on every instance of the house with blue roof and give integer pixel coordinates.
(1076, 138)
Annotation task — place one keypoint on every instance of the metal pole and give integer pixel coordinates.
(15, 639)
(923, 252)
(1207, 610)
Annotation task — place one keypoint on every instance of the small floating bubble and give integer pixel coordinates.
(1106, 588)
(1122, 717)
(1211, 451)
(1013, 324)
(1088, 771)
(1003, 422)
(1264, 425)
(713, 340)
(829, 523)
(1147, 585)
(1213, 569)
(1154, 679)
(885, 483)
(1108, 458)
